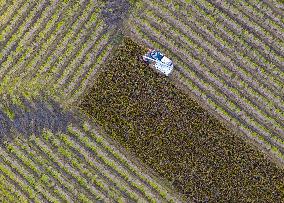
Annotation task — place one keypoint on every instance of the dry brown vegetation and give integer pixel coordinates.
(171, 133)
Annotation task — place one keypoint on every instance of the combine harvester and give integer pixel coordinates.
(159, 62)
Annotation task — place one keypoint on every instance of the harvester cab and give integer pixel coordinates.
(160, 62)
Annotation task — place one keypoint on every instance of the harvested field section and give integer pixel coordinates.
(168, 131)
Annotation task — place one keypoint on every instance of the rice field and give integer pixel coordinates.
(82, 119)
(228, 54)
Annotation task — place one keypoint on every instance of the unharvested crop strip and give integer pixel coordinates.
(212, 52)
(218, 94)
(226, 70)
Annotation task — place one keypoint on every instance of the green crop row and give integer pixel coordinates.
(90, 59)
(263, 20)
(66, 167)
(12, 25)
(15, 37)
(62, 150)
(80, 55)
(6, 16)
(266, 10)
(44, 180)
(252, 15)
(242, 36)
(255, 32)
(219, 33)
(9, 192)
(100, 168)
(47, 43)
(37, 187)
(51, 171)
(8, 171)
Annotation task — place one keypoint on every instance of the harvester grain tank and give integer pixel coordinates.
(159, 61)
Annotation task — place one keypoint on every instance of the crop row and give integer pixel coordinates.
(117, 155)
(252, 56)
(17, 19)
(203, 90)
(244, 37)
(263, 20)
(56, 47)
(85, 80)
(9, 192)
(7, 12)
(224, 83)
(74, 166)
(275, 45)
(57, 29)
(13, 38)
(267, 11)
(23, 49)
(51, 34)
(276, 6)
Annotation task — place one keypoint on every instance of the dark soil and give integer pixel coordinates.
(115, 11)
(33, 117)
(172, 134)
